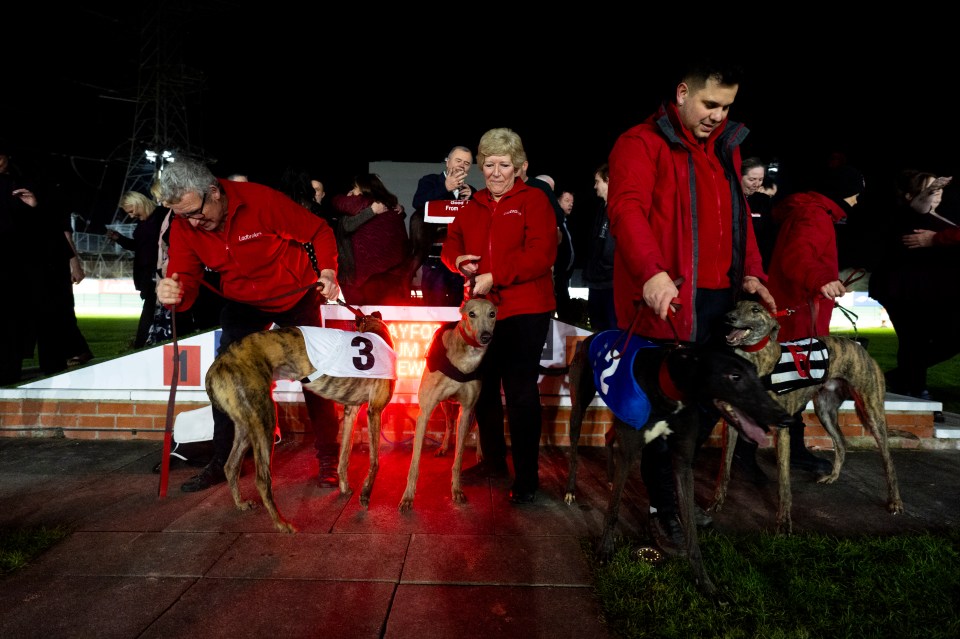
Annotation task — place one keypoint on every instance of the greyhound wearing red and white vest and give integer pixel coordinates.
(828, 371)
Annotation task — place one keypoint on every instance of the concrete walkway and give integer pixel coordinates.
(191, 565)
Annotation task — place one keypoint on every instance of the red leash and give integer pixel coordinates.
(168, 427)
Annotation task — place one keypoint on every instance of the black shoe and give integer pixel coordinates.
(805, 460)
(82, 358)
(667, 534)
(522, 497)
(328, 475)
(211, 475)
(485, 470)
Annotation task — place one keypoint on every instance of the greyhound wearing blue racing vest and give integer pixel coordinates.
(669, 382)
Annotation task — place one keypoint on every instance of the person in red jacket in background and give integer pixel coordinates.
(254, 237)
(678, 214)
(805, 273)
(504, 241)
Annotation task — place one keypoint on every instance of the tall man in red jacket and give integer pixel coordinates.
(254, 237)
(677, 211)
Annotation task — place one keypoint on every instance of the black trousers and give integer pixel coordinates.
(924, 340)
(146, 317)
(239, 320)
(601, 309)
(656, 463)
(513, 361)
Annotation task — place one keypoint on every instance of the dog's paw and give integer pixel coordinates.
(246, 505)
(569, 498)
(459, 497)
(286, 527)
(406, 504)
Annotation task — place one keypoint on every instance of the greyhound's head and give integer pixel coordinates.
(751, 323)
(374, 323)
(478, 316)
(718, 376)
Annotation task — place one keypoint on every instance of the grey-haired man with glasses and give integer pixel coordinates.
(254, 237)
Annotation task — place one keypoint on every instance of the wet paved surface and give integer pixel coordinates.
(191, 565)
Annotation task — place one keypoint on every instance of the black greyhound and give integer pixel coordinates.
(677, 380)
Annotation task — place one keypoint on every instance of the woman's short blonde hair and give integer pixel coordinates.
(502, 142)
(137, 201)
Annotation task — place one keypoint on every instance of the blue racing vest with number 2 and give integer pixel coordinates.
(613, 375)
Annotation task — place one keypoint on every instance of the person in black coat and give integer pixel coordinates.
(145, 245)
(440, 285)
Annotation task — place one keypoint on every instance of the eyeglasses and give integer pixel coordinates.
(196, 214)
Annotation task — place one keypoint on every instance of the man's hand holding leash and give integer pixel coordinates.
(328, 285)
(169, 290)
(658, 292)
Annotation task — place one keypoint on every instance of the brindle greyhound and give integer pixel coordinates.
(676, 380)
(850, 373)
(451, 374)
(240, 383)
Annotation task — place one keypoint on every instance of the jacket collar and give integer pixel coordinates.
(667, 119)
(518, 187)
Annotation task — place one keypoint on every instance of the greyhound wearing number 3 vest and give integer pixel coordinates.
(355, 368)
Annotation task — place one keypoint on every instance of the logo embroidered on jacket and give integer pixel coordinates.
(249, 236)
(512, 212)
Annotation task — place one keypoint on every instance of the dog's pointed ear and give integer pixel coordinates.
(377, 314)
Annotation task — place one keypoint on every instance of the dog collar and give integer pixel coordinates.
(756, 347)
(469, 340)
(437, 359)
(666, 384)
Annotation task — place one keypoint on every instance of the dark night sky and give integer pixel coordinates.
(299, 89)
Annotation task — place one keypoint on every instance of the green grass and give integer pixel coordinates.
(807, 585)
(19, 546)
(108, 337)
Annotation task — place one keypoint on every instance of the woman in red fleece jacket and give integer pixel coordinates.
(505, 242)
(804, 274)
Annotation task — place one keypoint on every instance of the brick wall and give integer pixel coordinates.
(146, 420)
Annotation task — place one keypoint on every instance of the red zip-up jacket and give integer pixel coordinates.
(258, 252)
(677, 206)
(516, 239)
(804, 259)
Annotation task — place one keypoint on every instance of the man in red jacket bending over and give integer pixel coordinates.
(254, 237)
